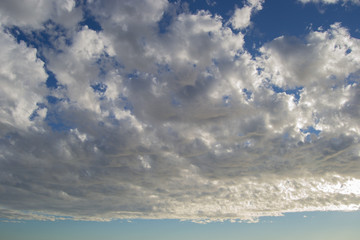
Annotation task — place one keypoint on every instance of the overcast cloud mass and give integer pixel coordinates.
(144, 109)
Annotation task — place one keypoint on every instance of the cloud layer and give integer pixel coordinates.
(132, 121)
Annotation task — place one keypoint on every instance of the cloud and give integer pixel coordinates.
(34, 13)
(182, 124)
(315, 65)
(22, 84)
(241, 17)
(331, 1)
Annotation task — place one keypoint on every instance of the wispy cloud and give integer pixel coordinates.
(331, 1)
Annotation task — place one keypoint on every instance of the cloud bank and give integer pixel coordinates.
(126, 120)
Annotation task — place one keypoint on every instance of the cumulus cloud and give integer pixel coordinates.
(241, 17)
(22, 84)
(182, 124)
(34, 13)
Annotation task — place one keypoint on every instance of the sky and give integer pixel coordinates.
(156, 114)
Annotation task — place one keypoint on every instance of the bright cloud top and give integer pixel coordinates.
(115, 118)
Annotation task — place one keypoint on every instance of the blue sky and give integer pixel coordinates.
(242, 115)
(295, 226)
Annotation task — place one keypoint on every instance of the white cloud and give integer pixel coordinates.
(331, 1)
(184, 124)
(321, 65)
(22, 83)
(241, 17)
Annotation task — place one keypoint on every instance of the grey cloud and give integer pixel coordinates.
(34, 13)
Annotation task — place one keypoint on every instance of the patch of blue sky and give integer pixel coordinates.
(247, 93)
(348, 51)
(310, 130)
(295, 19)
(352, 79)
(39, 39)
(277, 18)
(35, 113)
(292, 18)
(165, 22)
(51, 81)
(111, 118)
(223, 8)
(19, 35)
(133, 75)
(53, 117)
(226, 100)
(296, 92)
(259, 70)
(55, 121)
(126, 104)
(90, 21)
(163, 68)
(52, 99)
(106, 62)
(99, 87)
